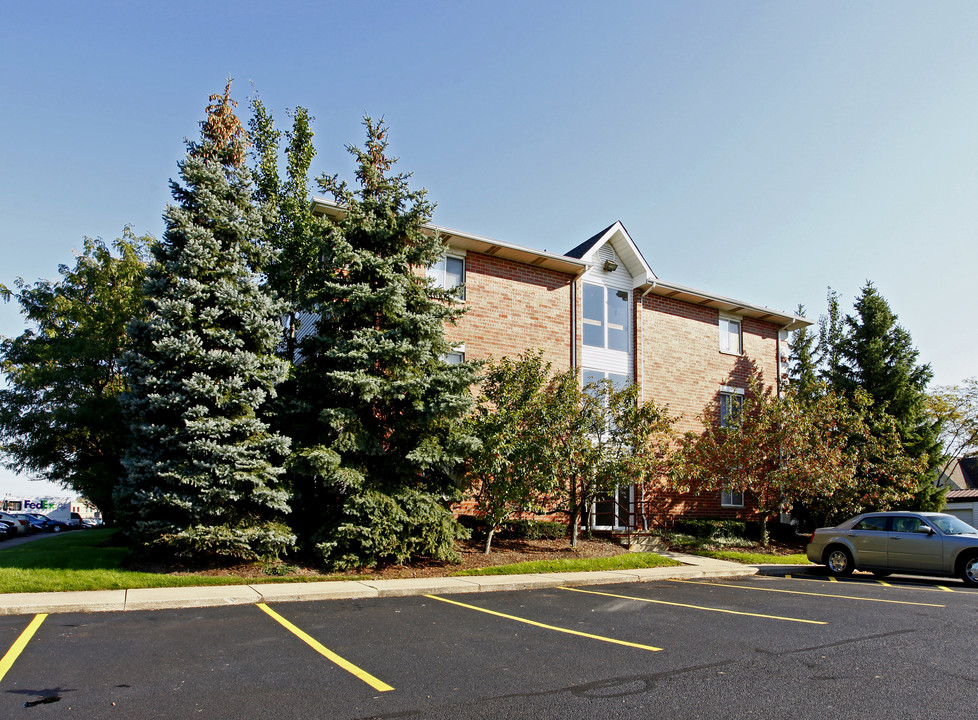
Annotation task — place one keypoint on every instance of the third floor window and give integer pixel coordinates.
(605, 317)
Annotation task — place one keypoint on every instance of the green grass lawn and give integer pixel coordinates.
(754, 558)
(92, 560)
(625, 561)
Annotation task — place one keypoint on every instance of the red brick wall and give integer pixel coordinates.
(682, 367)
(512, 308)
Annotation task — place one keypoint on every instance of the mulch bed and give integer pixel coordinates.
(504, 552)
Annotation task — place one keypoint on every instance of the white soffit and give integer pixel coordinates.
(642, 276)
(787, 321)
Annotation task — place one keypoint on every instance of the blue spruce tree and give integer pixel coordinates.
(203, 471)
(380, 434)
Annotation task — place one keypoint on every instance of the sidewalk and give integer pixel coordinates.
(217, 595)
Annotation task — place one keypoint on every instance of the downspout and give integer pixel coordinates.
(641, 349)
(575, 515)
(641, 327)
(574, 281)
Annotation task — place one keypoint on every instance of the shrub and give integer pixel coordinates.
(536, 529)
(711, 529)
(263, 541)
(374, 528)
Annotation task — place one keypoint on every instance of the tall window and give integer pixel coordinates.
(449, 273)
(730, 405)
(605, 317)
(593, 377)
(730, 340)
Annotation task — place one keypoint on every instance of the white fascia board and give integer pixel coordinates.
(626, 249)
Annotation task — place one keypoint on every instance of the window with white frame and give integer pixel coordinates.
(731, 401)
(732, 498)
(449, 274)
(605, 317)
(455, 358)
(593, 377)
(730, 335)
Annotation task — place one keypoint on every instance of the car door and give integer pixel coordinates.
(869, 541)
(909, 549)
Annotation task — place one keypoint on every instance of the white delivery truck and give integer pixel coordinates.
(64, 514)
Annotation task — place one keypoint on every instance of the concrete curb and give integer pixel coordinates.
(219, 595)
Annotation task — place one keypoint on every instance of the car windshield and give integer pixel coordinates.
(950, 525)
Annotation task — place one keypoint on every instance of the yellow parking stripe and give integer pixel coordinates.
(884, 584)
(801, 592)
(832, 578)
(327, 653)
(547, 627)
(20, 643)
(696, 607)
(909, 584)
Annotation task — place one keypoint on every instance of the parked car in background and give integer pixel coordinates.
(49, 525)
(23, 527)
(35, 524)
(7, 530)
(919, 543)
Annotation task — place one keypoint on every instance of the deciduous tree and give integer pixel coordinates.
(292, 232)
(511, 471)
(777, 451)
(600, 437)
(60, 418)
(954, 408)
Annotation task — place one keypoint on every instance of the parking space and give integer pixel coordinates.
(670, 647)
(817, 573)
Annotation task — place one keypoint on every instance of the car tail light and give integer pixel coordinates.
(811, 538)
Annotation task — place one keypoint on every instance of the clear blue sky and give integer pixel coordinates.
(760, 150)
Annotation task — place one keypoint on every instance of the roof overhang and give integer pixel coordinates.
(644, 279)
(478, 244)
(787, 321)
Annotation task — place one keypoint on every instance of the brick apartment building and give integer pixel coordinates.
(600, 308)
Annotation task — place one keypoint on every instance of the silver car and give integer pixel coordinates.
(919, 543)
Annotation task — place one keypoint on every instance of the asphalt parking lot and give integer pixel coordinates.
(800, 646)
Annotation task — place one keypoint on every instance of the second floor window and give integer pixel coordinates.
(449, 273)
(605, 317)
(730, 404)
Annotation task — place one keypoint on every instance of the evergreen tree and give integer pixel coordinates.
(803, 361)
(831, 333)
(383, 409)
(202, 473)
(877, 355)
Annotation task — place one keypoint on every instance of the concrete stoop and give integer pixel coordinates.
(640, 542)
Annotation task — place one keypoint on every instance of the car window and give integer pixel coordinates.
(871, 523)
(950, 525)
(907, 524)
